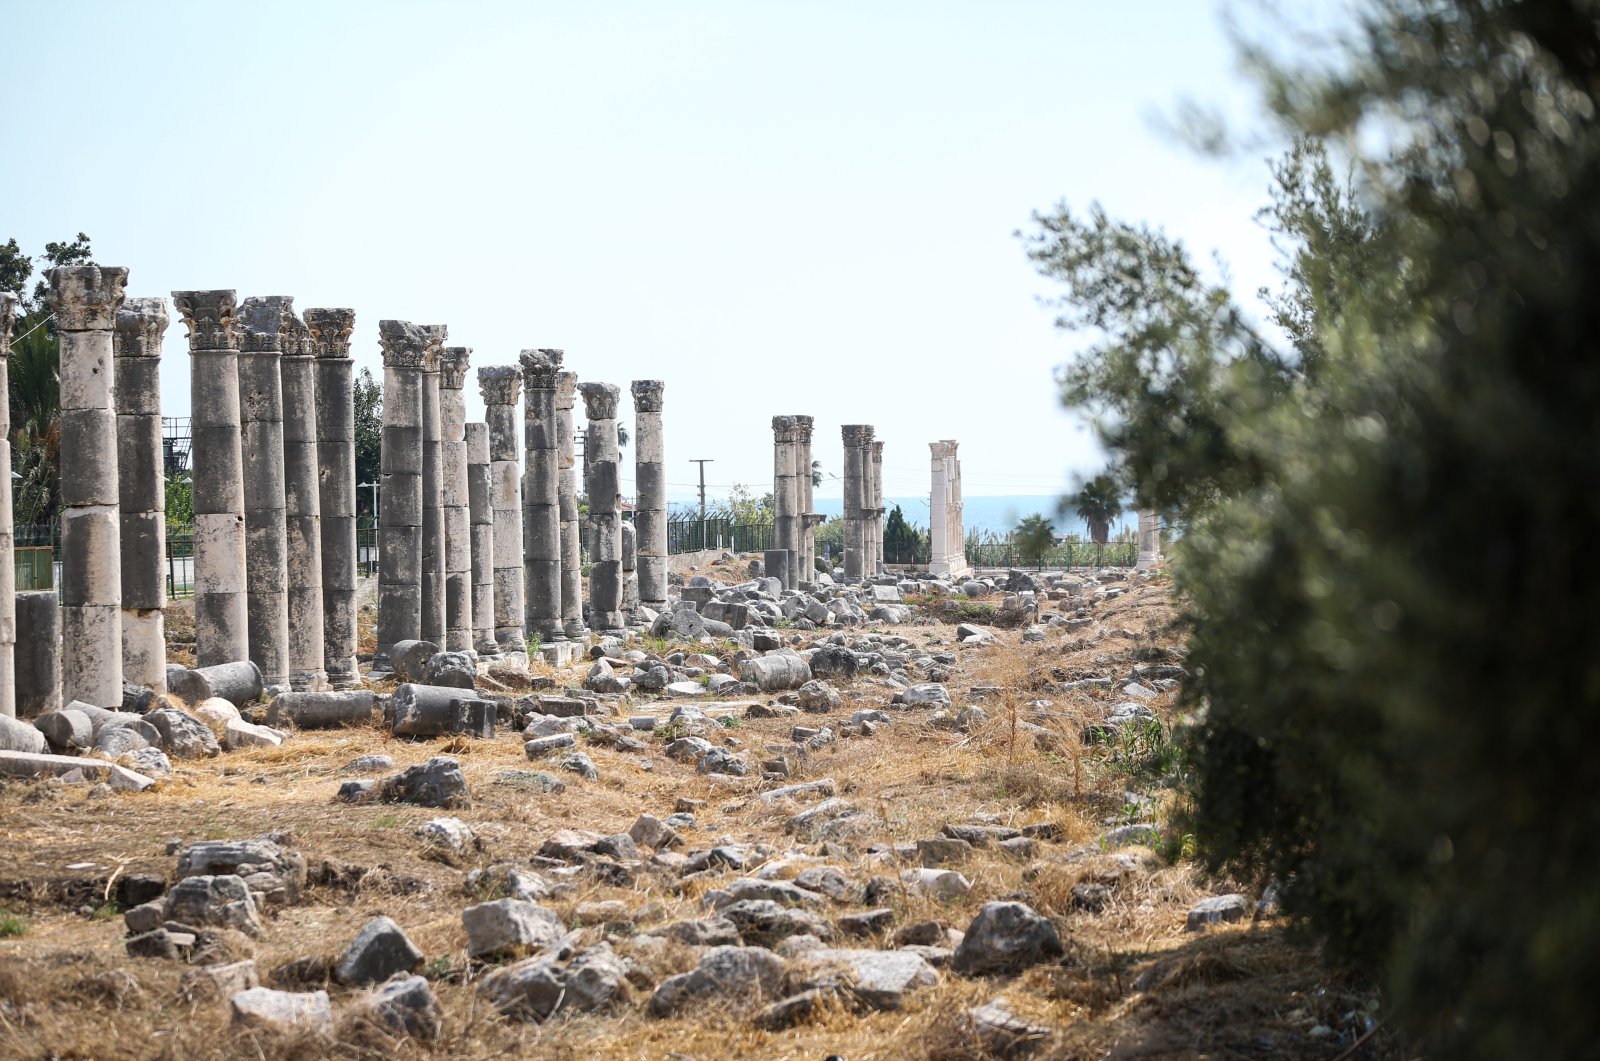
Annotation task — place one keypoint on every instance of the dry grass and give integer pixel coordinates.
(1237, 991)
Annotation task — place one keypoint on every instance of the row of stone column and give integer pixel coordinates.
(794, 524)
(863, 501)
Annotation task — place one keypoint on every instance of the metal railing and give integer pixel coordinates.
(1064, 554)
(717, 532)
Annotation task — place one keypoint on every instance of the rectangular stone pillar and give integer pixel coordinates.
(480, 506)
(541, 495)
(433, 562)
(501, 385)
(1149, 539)
(600, 454)
(945, 526)
(336, 489)
(857, 504)
(405, 351)
(785, 500)
(142, 493)
(457, 515)
(650, 493)
(261, 327)
(221, 616)
(85, 299)
(38, 653)
(630, 571)
(8, 560)
(302, 506)
(571, 530)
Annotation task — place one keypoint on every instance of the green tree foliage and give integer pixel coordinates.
(1387, 562)
(1033, 536)
(742, 506)
(1098, 502)
(902, 542)
(369, 436)
(180, 503)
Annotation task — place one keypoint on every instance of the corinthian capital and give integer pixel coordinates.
(261, 323)
(405, 345)
(330, 331)
(86, 297)
(944, 449)
(500, 384)
(856, 435)
(297, 341)
(209, 316)
(436, 335)
(541, 367)
(453, 367)
(783, 429)
(600, 400)
(647, 395)
(141, 322)
(802, 429)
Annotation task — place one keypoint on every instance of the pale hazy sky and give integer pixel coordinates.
(774, 207)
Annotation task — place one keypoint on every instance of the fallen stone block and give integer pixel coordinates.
(39, 764)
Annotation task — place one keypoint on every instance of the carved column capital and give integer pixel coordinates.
(541, 367)
(856, 435)
(500, 384)
(453, 367)
(8, 315)
(141, 322)
(943, 449)
(261, 323)
(600, 400)
(209, 316)
(783, 429)
(648, 395)
(435, 335)
(802, 429)
(330, 331)
(86, 297)
(566, 391)
(405, 345)
(297, 341)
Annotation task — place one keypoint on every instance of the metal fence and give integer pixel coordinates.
(713, 532)
(1066, 554)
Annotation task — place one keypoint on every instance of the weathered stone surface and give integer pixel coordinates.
(409, 659)
(438, 782)
(1006, 938)
(379, 952)
(452, 669)
(818, 697)
(407, 1007)
(509, 927)
(66, 730)
(223, 901)
(274, 874)
(783, 892)
(763, 922)
(39, 764)
(219, 980)
(323, 709)
(237, 734)
(939, 883)
(17, 736)
(998, 1032)
(283, 1011)
(931, 693)
(650, 831)
(775, 672)
(750, 975)
(705, 932)
(448, 838)
(239, 683)
(876, 979)
(151, 762)
(831, 661)
(182, 735)
(540, 747)
(1215, 910)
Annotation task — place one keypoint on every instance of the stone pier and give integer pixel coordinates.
(946, 533)
(857, 504)
(786, 522)
(500, 386)
(221, 622)
(650, 493)
(571, 530)
(876, 512)
(1149, 539)
(806, 561)
(433, 563)
(541, 497)
(8, 563)
(85, 299)
(630, 571)
(405, 349)
(457, 514)
(480, 513)
(141, 470)
(302, 507)
(261, 328)
(336, 489)
(600, 455)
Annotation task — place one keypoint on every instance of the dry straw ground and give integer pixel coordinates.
(1133, 983)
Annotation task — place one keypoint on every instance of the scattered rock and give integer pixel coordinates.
(749, 975)
(509, 927)
(1215, 910)
(406, 1007)
(283, 1011)
(1006, 938)
(379, 952)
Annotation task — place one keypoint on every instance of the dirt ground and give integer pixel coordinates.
(1133, 983)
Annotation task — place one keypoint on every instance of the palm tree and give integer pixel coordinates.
(816, 474)
(1097, 504)
(1033, 538)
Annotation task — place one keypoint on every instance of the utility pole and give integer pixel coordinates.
(703, 464)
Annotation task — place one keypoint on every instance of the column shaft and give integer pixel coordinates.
(433, 566)
(8, 564)
(785, 521)
(650, 492)
(600, 453)
(142, 495)
(571, 530)
(480, 506)
(261, 322)
(501, 385)
(541, 497)
(805, 529)
(857, 439)
(405, 349)
(336, 489)
(302, 507)
(453, 490)
(875, 525)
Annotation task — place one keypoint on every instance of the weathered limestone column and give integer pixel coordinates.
(875, 523)
(142, 493)
(405, 349)
(480, 511)
(221, 618)
(600, 454)
(946, 533)
(261, 328)
(1149, 539)
(336, 489)
(650, 493)
(85, 299)
(433, 569)
(501, 385)
(785, 499)
(541, 496)
(457, 516)
(630, 570)
(571, 530)
(8, 562)
(857, 442)
(302, 507)
(805, 561)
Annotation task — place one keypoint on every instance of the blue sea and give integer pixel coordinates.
(997, 515)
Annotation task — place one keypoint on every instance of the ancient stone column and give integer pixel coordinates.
(785, 499)
(650, 493)
(457, 516)
(85, 299)
(600, 454)
(141, 470)
(480, 511)
(336, 489)
(541, 498)
(302, 506)
(261, 328)
(405, 350)
(433, 566)
(501, 385)
(805, 560)
(945, 531)
(857, 443)
(875, 494)
(630, 571)
(571, 529)
(8, 563)
(221, 623)
(1149, 539)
